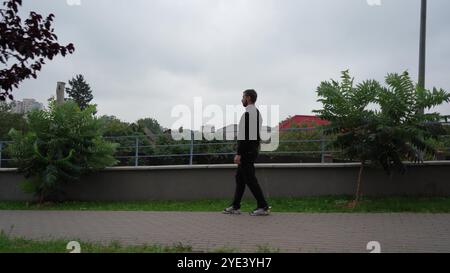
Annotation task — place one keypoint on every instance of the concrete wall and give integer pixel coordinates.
(217, 181)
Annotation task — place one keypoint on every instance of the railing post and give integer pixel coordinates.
(136, 156)
(191, 152)
(322, 146)
(1, 147)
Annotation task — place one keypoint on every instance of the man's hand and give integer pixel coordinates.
(237, 159)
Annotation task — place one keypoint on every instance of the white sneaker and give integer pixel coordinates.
(261, 211)
(231, 210)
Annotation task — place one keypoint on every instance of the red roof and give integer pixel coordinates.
(303, 121)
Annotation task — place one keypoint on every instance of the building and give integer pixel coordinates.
(25, 106)
(302, 121)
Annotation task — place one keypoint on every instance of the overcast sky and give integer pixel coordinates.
(143, 57)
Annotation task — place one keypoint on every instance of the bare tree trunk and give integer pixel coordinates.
(354, 203)
(41, 199)
(358, 188)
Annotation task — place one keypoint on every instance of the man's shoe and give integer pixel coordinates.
(231, 210)
(261, 211)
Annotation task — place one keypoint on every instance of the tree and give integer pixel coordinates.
(151, 124)
(114, 127)
(24, 47)
(5, 107)
(62, 144)
(10, 120)
(126, 134)
(80, 91)
(384, 137)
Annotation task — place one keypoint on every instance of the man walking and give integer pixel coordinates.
(247, 152)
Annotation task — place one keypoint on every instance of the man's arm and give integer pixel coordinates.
(243, 143)
(240, 148)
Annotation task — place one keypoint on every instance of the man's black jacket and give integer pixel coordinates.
(249, 141)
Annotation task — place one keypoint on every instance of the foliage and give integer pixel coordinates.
(10, 120)
(397, 131)
(24, 47)
(80, 91)
(62, 144)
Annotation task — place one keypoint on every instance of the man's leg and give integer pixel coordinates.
(240, 187)
(252, 182)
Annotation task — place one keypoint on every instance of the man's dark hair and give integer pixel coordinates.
(252, 94)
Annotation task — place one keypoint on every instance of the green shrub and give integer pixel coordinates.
(62, 144)
(398, 130)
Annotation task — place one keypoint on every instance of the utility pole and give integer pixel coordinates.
(422, 48)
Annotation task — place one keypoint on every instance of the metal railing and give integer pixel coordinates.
(190, 148)
(134, 148)
(2, 147)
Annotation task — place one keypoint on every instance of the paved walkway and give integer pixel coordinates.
(287, 232)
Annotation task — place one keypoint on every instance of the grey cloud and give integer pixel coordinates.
(142, 57)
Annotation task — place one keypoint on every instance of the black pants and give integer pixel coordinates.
(245, 175)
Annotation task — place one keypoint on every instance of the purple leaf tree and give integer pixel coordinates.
(24, 46)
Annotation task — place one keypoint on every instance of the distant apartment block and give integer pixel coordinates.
(25, 106)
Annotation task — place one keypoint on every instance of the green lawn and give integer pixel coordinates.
(9, 244)
(310, 204)
(20, 245)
